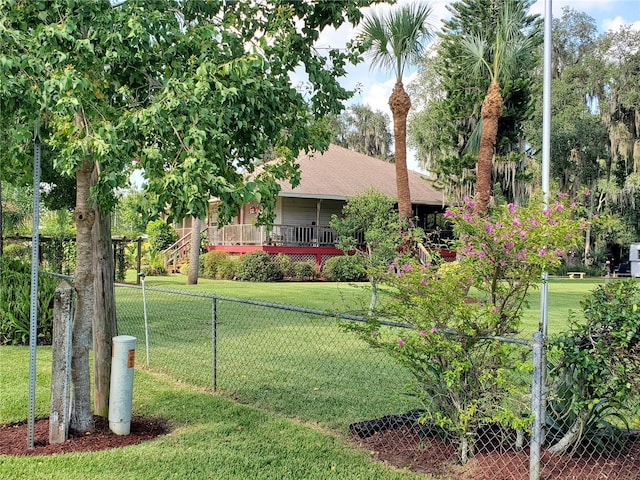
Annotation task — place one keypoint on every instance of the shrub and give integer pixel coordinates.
(160, 235)
(596, 370)
(345, 268)
(211, 262)
(155, 264)
(258, 266)
(463, 374)
(284, 263)
(226, 269)
(303, 270)
(121, 263)
(15, 304)
(184, 268)
(17, 250)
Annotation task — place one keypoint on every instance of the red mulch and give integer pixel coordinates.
(13, 438)
(405, 448)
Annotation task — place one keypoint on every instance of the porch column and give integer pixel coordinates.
(318, 204)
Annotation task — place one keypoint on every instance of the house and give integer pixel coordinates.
(301, 228)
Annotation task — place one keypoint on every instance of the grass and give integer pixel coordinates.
(565, 295)
(329, 296)
(294, 363)
(211, 437)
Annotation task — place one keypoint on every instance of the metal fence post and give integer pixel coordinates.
(214, 340)
(35, 262)
(537, 405)
(146, 316)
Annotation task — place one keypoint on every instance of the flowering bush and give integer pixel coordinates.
(464, 375)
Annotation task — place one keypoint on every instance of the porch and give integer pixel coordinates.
(300, 242)
(280, 235)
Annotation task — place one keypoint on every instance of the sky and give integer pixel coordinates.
(374, 87)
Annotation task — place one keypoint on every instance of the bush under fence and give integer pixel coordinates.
(305, 364)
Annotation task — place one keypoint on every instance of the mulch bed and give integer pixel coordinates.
(406, 447)
(13, 438)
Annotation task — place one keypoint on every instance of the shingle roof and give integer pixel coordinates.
(339, 173)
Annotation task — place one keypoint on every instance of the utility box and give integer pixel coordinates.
(121, 388)
(634, 259)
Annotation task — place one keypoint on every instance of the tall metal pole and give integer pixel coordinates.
(538, 404)
(33, 316)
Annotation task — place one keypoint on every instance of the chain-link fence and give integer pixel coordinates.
(306, 364)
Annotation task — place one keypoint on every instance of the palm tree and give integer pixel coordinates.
(500, 57)
(394, 41)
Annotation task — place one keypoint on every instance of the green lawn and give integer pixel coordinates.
(291, 362)
(211, 437)
(564, 295)
(332, 296)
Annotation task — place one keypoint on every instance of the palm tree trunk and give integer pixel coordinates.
(194, 252)
(81, 416)
(400, 103)
(491, 111)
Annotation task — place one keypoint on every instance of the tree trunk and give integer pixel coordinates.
(491, 111)
(104, 316)
(194, 252)
(81, 417)
(573, 435)
(400, 103)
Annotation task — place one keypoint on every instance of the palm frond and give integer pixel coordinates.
(398, 38)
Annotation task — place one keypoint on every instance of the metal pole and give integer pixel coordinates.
(546, 101)
(33, 317)
(214, 339)
(146, 316)
(538, 404)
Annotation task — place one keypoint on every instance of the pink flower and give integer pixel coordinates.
(400, 342)
(434, 329)
(516, 222)
(587, 193)
(494, 309)
(488, 228)
(558, 252)
(423, 333)
(512, 208)
(542, 251)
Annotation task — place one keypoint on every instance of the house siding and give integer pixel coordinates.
(304, 211)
